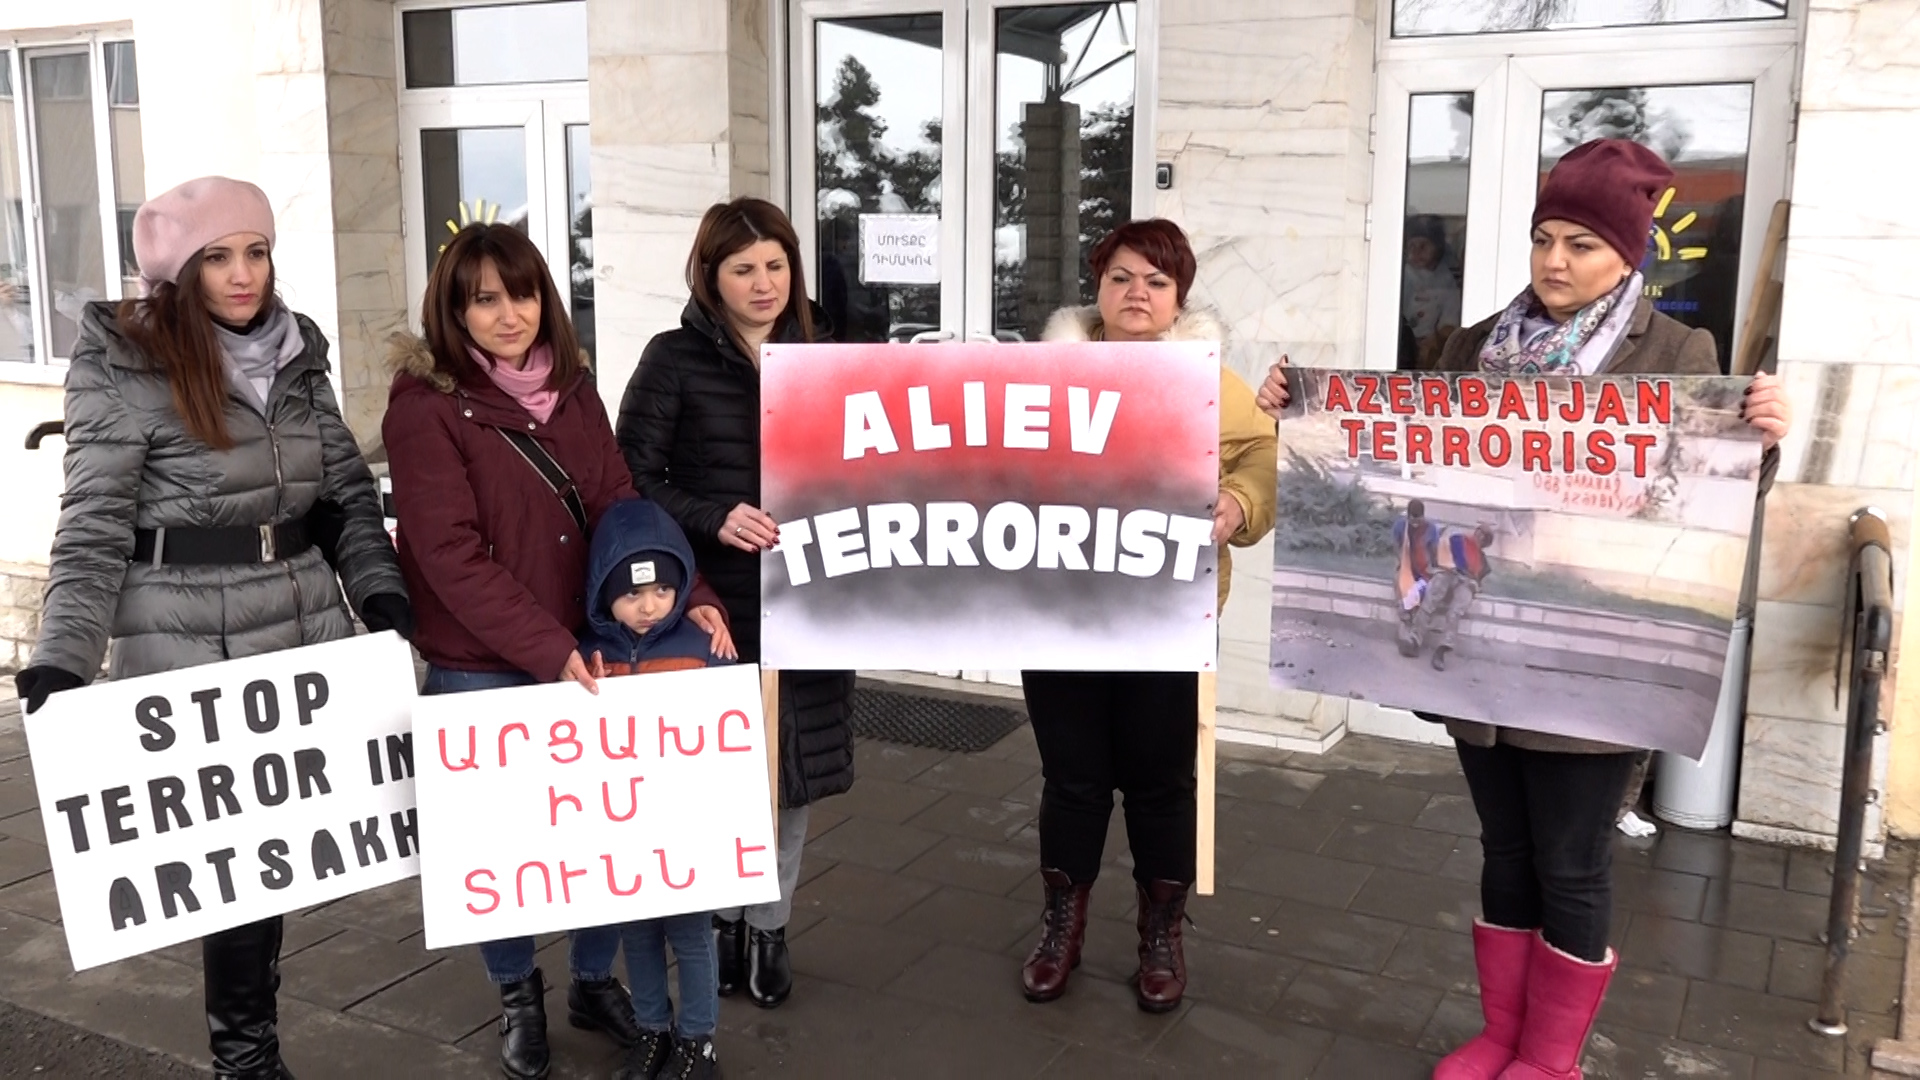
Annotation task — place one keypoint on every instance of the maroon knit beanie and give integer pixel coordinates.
(1610, 186)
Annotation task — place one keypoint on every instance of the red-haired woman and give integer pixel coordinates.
(494, 397)
(200, 421)
(1137, 731)
(1548, 803)
(690, 428)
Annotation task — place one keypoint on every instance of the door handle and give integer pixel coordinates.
(928, 336)
(982, 335)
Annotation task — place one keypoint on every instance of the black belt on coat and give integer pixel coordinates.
(227, 545)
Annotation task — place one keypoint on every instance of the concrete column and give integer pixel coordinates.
(1050, 132)
(678, 92)
(1263, 114)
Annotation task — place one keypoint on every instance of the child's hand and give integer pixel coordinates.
(708, 618)
(576, 671)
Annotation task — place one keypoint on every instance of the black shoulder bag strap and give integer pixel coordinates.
(550, 471)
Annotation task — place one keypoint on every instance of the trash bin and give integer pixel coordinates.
(1699, 795)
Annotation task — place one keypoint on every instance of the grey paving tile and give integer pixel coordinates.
(1294, 875)
(350, 966)
(1336, 938)
(972, 920)
(1353, 1056)
(1434, 958)
(857, 954)
(1456, 1020)
(976, 775)
(448, 1001)
(1619, 1053)
(1419, 900)
(876, 799)
(1667, 893)
(1374, 759)
(977, 817)
(1213, 1041)
(1371, 1007)
(1399, 846)
(1264, 783)
(821, 819)
(1015, 745)
(25, 825)
(1808, 871)
(33, 897)
(858, 894)
(1092, 1063)
(971, 864)
(876, 760)
(1763, 909)
(985, 988)
(390, 911)
(1268, 826)
(1233, 976)
(1450, 814)
(21, 859)
(145, 1001)
(17, 791)
(1464, 863)
(878, 845)
(1647, 1001)
(1872, 982)
(1355, 797)
(1753, 1023)
(1233, 916)
(1698, 951)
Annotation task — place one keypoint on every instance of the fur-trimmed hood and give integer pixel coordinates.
(1195, 323)
(408, 354)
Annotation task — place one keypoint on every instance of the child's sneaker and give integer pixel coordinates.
(647, 1059)
(693, 1059)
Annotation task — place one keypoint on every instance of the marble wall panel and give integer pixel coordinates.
(359, 38)
(669, 98)
(287, 37)
(1833, 196)
(1790, 772)
(1862, 54)
(658, 28)
(1852, 301)
(1794, 649)
(1804, 560)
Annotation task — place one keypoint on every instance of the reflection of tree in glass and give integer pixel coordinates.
(1618, 113)
(1106, 201)
(1468, 16)
(858, 173)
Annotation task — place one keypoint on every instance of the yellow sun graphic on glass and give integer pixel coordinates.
(1665, 235)
(480, 210)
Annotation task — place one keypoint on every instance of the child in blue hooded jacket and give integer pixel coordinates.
(637, 591)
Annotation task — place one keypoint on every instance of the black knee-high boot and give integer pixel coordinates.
(242, 975)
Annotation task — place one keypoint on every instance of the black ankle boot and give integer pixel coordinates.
(770, 978)
(730, 947)
(242, 976)
(603, 1005)
(523, 1028)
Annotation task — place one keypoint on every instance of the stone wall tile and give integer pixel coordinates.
(1854, 301)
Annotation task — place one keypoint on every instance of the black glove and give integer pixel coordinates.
(387, 611)
(325, 522)
(37, 684)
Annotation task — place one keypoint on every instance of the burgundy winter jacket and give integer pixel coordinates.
(493, 561)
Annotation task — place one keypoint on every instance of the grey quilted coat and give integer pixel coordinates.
(131, 463)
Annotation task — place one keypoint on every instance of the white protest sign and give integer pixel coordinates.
(181, 804)
(900, 249)
(547, 808)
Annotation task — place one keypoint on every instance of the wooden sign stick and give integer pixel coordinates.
(770, 716)
(1203, 795)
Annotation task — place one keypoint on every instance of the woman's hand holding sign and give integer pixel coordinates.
(708, 618)
(750, 528)
(1228, 518)
(1766, 407)
(1272, 395)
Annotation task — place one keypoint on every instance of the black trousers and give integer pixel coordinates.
(1098, 731)
(242, 977)
(1546, 826)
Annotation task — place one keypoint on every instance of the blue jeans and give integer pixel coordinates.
(591, 949)
(692, 939)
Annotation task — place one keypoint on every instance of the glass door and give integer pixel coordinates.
(519, 161)
(1462, 146)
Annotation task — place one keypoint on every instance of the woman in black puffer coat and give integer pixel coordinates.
(690, 429)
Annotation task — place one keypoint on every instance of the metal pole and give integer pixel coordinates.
(1869, 596)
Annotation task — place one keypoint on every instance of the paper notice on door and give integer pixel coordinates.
(900, 249)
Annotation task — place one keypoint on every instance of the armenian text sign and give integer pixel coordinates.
(991, 506)
(181, 804)
(545, 807)
(1552, 553)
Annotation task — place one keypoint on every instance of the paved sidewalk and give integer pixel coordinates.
(1336, 947)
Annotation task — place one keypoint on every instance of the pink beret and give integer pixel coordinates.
(169, 229)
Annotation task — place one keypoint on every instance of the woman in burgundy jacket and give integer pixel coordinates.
(494, 556)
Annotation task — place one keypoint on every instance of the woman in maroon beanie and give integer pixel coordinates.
(1547, 803)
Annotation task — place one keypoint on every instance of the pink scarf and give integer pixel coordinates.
(526, 385)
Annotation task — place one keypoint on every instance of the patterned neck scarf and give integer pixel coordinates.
(1527, 341)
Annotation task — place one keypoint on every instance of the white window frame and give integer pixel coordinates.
(45, 368)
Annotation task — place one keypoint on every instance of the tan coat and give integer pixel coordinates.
(1655, 345)
(1249, 452)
